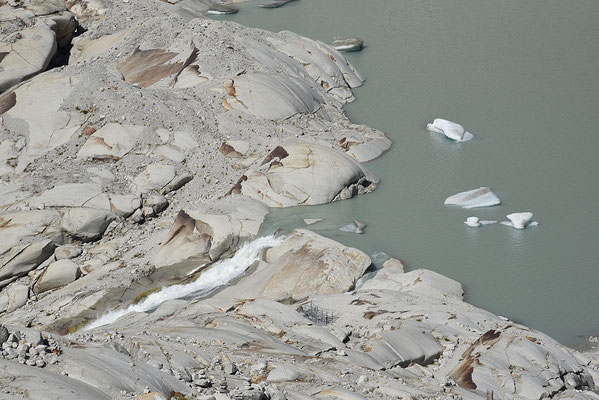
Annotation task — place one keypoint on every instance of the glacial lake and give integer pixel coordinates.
(523, 77)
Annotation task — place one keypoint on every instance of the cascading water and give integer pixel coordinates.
(221, 273)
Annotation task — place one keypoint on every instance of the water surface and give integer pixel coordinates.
(523, 76)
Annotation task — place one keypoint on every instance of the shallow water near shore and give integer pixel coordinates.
(522, 77)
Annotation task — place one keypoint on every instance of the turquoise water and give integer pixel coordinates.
(520, 75)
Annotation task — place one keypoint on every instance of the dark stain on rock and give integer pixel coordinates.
(279, 152)
(462, 374)
(146, 67)
(236, 189)
(229, 151)
(7, 101)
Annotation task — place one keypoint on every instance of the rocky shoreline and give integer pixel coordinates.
(147, 159)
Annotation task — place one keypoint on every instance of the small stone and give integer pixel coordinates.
(40, 363)
(3, 334)
(231, 369)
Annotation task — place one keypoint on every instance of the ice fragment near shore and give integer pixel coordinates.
(450, 129)
(481, 197)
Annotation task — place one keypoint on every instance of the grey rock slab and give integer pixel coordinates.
(107, 369)
(309, 264)
(67, 252)
(347, 44)
(41, 384)
(38, 105)
(325, 65)
(29, 52)
(160, 177)
(306, 174)
(124, 205)
(19, 227)
(112, 141)
(88, 195)
(282, 372)
(205, 236)
(19, 260)
(274, 3)
(18, 294)
(271, 96)
(58, 274)
(405, 345)
(86, 224)
(421, 281)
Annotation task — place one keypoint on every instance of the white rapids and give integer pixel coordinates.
(221, 273)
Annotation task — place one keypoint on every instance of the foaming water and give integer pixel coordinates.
(219, 274)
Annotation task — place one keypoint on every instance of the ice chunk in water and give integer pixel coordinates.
(473, 221)
(519, 220)
(481, 197)
(450, 129)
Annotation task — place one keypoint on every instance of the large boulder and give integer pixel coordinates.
(407, 344)
(271, 96)
(306, 174)
(19, 260)
(516, 365)
(25, 54)
(308, 264)
(58, 274)
(112, 141)
(37, 115)
(162, 178)
(206, 236)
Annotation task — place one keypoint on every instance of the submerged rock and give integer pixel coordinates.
(222, 9)
(481, 197)
(355, 227)
(450, 129)
(347, 44)
(274, 3)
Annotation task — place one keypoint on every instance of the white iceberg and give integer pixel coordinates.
(450, 129)
(481, 197)
(473, 221)
(520, 220)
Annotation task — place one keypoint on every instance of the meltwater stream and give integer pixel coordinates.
(219, 274)
(522, 75)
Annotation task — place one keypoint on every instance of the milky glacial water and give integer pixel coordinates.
(523, 76)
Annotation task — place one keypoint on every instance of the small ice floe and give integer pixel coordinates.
(520, 220)
(481, 197)
(355, 227)
(310, 221)
(475, 222)
(450, 129)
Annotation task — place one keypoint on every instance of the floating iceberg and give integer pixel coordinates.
(450, 129)
(520, 220)
(355, 227)
(481, 197)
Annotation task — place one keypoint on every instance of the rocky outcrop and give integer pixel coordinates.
(306, 174)
(206, 236)
(270, 96)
